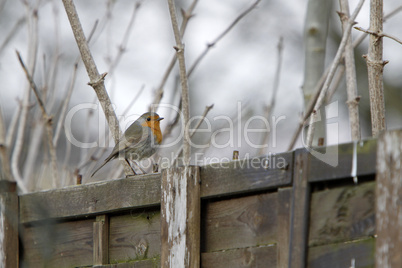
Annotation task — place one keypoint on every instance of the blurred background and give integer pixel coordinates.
(133, 41)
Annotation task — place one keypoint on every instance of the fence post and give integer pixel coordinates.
(300, 210)
(9, 256)
(180, 217)
(389, 200)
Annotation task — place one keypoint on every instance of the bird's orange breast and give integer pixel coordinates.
(155, 128)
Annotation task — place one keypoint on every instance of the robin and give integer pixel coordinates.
(139, 141)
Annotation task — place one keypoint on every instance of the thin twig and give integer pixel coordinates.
(220, 36)
(187, 15)
(317, 89)
(270, 107)
(96, 81)
(351, 83)
(47, 119)
(13, 125)
(123, 45)
(5, 161)
(65, 105)
(193, 131)
(201, 56)
(331, 73)
(184, 83)
(19, 140)
(12, 33)
(337, 80)
(90, 156)
(379, 34)
(134, 100)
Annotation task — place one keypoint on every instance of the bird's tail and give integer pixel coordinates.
(110, 157)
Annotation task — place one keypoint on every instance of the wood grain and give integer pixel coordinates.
(299, 211)
(151, 263)
(142, 191)
(284, 203)
(90, 199)
(9, 254)
(63, 244)
(180, 217)
(260, 173)
(342, 214)
(264, 256)
(101, 240)
(135, 236)
(343, 155)
(240, 222)
(343, 254)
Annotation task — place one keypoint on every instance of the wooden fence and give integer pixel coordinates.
(284, 210)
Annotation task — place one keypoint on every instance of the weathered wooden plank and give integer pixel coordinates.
(149, 263)
(283, 203)
(340, 159)
(263, 256)
(9, 254)
(180, 217)
(144, 190)
(93, 198)
(259, 173)
(342, 214)
(135, 236)
(240, 222)
(224, 179)
(389, 200)
(358, 253)
(63, 244)
(101, 240)
(299, 211)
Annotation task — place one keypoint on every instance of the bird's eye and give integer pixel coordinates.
(149, 119)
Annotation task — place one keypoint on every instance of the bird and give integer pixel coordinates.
(139, 141)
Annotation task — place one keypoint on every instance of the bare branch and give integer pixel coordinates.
(315, 39)
(184, 83)
(270, 107)
(65, 106)
(12, 33)
(331, 73)
(317, 89)
(379, 34)
(187, 15)
(19, 140)
(48, 122)
(337, 80)
(13, 125)
(206, 111)
(5, 161)
(375, 68)
(123, 45)
(351, 83)
(95, 79)
(134, 100)
(220, 36)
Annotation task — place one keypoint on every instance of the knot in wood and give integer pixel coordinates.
(141, 248)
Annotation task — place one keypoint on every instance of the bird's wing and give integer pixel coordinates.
(133, 137)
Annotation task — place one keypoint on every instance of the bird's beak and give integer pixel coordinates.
(160, 118)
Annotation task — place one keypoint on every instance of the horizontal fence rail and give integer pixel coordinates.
(302, 208)
(220, 179)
